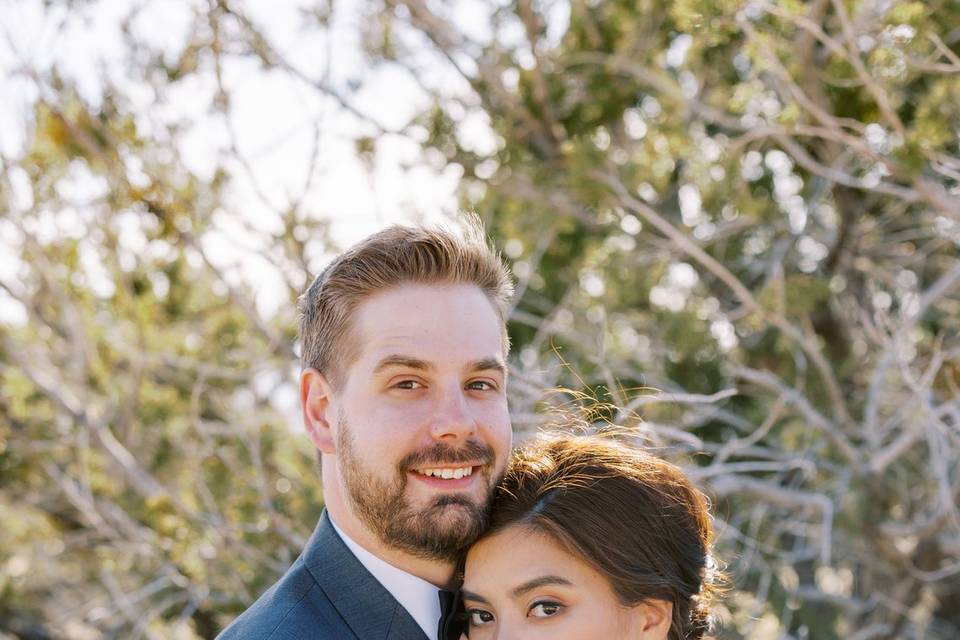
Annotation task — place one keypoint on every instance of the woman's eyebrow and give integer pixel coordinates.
(469, 595)
(521, 589)
(540, 582)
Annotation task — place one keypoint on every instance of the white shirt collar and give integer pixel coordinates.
(420, 598)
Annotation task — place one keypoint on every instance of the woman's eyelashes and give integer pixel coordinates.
(544, 609)
(479, 617)
(539, 609)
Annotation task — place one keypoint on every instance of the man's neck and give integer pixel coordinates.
(436, 572)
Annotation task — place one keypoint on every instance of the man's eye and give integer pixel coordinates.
(480, 385)
(407, 384)
(479, 617)
(545, 609)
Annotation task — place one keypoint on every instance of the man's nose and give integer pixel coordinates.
(453, 418)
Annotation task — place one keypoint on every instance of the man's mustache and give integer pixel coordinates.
(440, 453)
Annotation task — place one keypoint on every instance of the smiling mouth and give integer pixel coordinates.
(447, 473)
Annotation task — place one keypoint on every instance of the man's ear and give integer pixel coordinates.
(656, 618)
(315, 403)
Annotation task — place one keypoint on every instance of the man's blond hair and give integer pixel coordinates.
(397, 255)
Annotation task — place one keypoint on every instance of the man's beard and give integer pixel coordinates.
(439, 531)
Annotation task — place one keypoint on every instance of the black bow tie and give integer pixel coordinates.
(452, 616)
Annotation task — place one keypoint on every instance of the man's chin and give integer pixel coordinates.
(440, 529)
(456, 528)
(453, 512)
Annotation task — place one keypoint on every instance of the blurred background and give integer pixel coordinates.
(736, 221)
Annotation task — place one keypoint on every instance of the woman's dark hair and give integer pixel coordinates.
(636, 518)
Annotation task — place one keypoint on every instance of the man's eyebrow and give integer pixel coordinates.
(487, 364)
(542, 581)
(397, 360)
(469, 595)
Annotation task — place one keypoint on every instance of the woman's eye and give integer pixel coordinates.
(545, 609)
(480, 385)
(479, 617)
(407, 384)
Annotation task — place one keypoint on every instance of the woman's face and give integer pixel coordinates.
(523, 584)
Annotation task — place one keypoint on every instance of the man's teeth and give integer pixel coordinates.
(447, 474)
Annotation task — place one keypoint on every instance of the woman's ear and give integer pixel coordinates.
(315, 402)
(655, 618)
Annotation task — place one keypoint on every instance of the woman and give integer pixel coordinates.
(590, 538)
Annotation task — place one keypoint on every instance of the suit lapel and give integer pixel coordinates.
(404, 626)
(364, 604)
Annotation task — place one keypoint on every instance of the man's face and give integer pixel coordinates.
(422, 430)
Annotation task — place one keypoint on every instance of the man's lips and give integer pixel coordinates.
(447, 476)
(448, 472)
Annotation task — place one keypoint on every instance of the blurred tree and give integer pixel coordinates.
(148, 487)
(143, 470)
(749, 206)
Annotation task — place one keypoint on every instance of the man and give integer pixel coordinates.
(403, 392)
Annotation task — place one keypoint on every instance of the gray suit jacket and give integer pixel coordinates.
(326, 594)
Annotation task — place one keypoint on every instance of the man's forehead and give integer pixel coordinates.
(412, 314)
